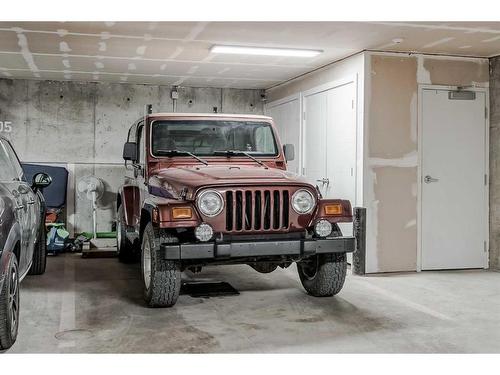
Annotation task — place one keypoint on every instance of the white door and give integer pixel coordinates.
(315, 123)
(453, 193)
(330, 143)
(286, 116)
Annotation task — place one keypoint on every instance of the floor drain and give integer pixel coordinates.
(74, 335)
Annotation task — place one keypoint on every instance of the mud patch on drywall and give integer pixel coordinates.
(454, 72)
(397, 213)
(393, 89)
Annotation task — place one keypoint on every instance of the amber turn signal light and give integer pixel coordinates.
(182, 213)
(333, 209)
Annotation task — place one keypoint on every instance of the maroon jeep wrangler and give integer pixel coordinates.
(213, 189)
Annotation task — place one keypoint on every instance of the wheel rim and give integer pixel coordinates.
(14, 301)
(310, 268)
(146, 262)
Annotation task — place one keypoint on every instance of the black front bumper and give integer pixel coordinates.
(299, 248)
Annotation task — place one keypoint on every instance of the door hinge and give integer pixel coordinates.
(485, 179)
(485, 247)
(353, 104)
(486, 112)
(304, 115)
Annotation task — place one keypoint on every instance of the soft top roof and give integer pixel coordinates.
(209, 115)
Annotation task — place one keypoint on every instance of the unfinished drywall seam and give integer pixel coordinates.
(423, 75)
(25, 51)
(369, 201)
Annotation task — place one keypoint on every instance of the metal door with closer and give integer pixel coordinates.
(453, 190)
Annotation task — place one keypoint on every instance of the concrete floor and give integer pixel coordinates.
(95, 305)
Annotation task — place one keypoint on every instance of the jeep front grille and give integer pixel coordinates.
(252, 210)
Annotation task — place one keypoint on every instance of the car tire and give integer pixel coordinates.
(9, 305)
(127, 252)
(39, 262)
(323, 275)
(161, 278)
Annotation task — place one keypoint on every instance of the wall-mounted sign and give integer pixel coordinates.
(5, 126)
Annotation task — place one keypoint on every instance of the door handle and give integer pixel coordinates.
(428, 179)
(324, 181)
(31, 202)
(20, 207)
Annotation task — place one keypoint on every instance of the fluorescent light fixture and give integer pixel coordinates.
(265, 51)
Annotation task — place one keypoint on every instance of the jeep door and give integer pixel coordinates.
(140, 164)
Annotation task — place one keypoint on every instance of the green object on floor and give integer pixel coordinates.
(90, 235)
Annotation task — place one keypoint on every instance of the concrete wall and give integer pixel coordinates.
(495, 163)
(391, 162)
(83, 125)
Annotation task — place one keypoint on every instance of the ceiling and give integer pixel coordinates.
(178, 53)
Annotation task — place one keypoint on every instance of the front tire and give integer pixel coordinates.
(323, 275)
(9, 305)
(161, 278)
(39, 262)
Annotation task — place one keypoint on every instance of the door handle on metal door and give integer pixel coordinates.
(20, 207)
(428, 179)
(31, 202)
(324, 181)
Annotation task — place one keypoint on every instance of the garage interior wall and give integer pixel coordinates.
(83, 125)
(387, 150)
(390, 178)
(338, 71)
(495, 163)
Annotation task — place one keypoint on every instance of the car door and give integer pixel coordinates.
(12, 180)
(32, 204)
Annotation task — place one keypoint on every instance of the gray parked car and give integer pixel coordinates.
(22, 236)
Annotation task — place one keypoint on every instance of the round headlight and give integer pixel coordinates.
(210, 203)
(303, 201)
(323, 228)
(203, 232)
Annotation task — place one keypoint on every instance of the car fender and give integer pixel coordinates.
(129, 197)
(13, 237)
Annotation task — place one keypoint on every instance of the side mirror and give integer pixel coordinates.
(41, 180)
(289, 152)
(130, 151)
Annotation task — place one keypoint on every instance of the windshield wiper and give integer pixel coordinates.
(230, 153)
(180, 152)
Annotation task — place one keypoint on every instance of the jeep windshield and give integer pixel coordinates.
(213, 137)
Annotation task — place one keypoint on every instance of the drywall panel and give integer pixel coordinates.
(391, 163)
(348, 67)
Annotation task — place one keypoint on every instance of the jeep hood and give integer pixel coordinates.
(174, 179)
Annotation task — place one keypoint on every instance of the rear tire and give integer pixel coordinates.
(9, 305)
(161, 278)
(323, 275)
(127, 252)
(39, 262)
